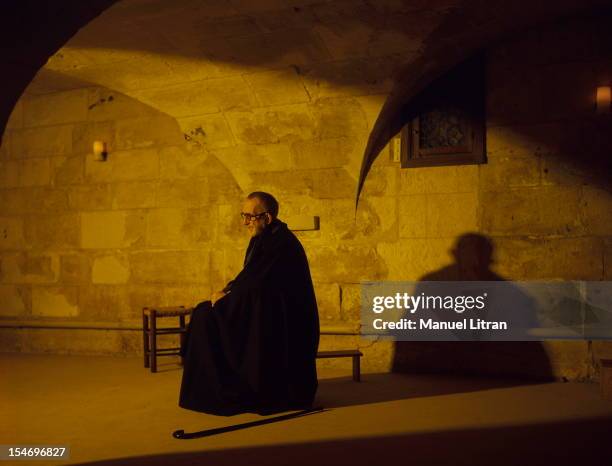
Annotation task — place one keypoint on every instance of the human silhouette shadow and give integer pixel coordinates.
(527, 360)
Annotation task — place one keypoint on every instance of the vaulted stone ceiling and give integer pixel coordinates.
(199, 57)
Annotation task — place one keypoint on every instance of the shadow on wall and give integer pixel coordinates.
(255, 35)
(473, 255)
(533, 444)
(548, 74)
(32, 31)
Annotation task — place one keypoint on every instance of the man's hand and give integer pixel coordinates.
(217, 296)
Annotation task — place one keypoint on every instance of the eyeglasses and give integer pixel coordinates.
(249, 217)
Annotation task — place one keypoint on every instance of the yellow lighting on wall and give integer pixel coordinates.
(99, 151)
(603, 99)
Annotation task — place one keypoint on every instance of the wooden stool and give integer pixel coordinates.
(355, 354)
(150, 332)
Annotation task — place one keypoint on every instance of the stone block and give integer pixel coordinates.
(22, 268)
(110, 270)
(381, 181)
(565, 170)
(11, 233)
(28, 172)
(546, 259)
(60, 230)
(164, 227)
(200, 97)
(439, 180)
(226, 262)
(9, 173)
(375, 220)
(568, 359)
(272, 125)
(86, 132)
(14, 300)
(278, 87)
(532, 211)
(97, 171)
(140, 164)
(35, 172)
(340, 117)
(15, 201)
(55, 108)
(118, 229)
(596, 207)
(106, 105)
(450, 215)
(356, 76)
(285, 184)
(178, 267)
(328, 301)
(171, 227)
(149, 131)
(278, 49)
(90, 197)
(55, 301)
(326, 153)
(229, 224)
(332, 183)
(104, 302)
(134, 194)
(5, 144)
(503, 173)
(41, 142)
(180, 163)
(411, 259)
(182, 193)
(524, 141)
(21, 201)
(68, 170)
(256, 158)
(47, 199)
(413, 216)
(75, 268)
(350, 304)
(378, 357)
(345, 263)
(15, 120)
(207, 131)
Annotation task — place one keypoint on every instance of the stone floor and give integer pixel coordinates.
(112, 411)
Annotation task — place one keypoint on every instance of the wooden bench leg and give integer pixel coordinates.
(145, 338)
(356, 369)
(153, 342)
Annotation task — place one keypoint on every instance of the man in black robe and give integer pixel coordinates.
(252, 348)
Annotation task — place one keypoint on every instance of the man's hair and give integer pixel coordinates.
(268, 201)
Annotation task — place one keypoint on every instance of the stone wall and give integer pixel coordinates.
(157, 222)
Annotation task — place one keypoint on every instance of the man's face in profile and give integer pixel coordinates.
(255, 225)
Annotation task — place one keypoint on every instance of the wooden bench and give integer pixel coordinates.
(150, 330)
(355, 354)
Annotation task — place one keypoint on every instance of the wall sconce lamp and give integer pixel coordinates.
(602, 100)
(99, 151)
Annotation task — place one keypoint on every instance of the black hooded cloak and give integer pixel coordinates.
(255, 349)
